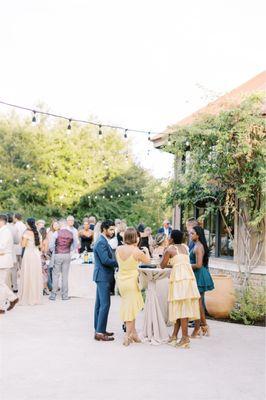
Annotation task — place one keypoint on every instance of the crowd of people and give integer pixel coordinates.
(33, 257)
(189, 280)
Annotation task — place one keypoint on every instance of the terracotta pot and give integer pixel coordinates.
(221, 300)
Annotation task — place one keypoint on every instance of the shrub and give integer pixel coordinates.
(250, 306)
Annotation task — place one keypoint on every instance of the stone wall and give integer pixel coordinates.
(219, 266)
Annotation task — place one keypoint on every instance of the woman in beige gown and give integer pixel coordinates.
(31, 280)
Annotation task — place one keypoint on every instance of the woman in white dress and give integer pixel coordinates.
(31, 280)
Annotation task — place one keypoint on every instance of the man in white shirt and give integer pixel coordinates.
(70, 225)
(166, 228)
(11, 226)
(6, 263)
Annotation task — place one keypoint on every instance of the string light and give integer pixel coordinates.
(69, 126)
(125, 134)
(34, 120)
(126, 130)
(100, 131)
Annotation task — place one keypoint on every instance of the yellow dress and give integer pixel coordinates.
(183, 295)
(127, 281)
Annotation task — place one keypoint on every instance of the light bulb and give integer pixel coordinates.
(34, 120)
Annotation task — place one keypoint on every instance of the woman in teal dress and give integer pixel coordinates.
(199, 259)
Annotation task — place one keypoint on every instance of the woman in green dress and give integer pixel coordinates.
(199, 259)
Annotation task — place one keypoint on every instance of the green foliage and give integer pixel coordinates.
(222, 160)
(250, 306)
(47, 173)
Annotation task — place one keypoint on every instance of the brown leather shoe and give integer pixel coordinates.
(12, 304)
(109, 333)
(103, 337)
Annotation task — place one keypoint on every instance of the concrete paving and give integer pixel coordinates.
(48, 352)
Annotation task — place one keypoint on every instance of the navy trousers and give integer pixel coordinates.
(102, 306)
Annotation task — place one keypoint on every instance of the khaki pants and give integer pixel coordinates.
(5, 292)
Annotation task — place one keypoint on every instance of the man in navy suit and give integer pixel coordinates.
(166, 228)
(103, 275)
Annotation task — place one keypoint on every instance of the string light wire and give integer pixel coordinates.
(34, 111)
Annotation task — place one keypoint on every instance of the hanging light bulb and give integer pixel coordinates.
(34, 120)
(100, 131)
(69, 126)
(125, 134)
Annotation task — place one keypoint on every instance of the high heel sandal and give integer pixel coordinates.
(172, 340)
(135, 338)
(184, 343)
(196, 334)
(127, 340)
(205, 329)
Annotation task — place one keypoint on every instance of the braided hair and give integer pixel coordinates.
(200, 232)
(33, 227)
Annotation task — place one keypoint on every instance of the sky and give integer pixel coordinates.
(142, 64)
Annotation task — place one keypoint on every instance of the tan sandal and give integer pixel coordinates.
(127, 340)
(205, 329)
(135, 338)
(172, 340)
(184, 343)
(196, 334)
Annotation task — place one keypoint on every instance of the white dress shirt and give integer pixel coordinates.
(6, 248)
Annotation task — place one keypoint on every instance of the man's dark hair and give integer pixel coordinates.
(9, 218)
(141, 228)
(3, 217)
(177, 236)
(18, 216)
(106, 224)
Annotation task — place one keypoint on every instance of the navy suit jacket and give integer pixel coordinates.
(161, 230)
(104, 262)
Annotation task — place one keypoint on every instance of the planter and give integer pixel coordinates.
(220, 301)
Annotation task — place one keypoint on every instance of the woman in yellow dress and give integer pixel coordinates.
(129, 256)
(183, 295)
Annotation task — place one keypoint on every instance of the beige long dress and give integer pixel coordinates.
(31, 279)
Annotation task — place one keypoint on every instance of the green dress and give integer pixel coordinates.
(202, 275)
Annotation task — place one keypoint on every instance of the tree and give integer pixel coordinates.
(46, 172)
(223, 165)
